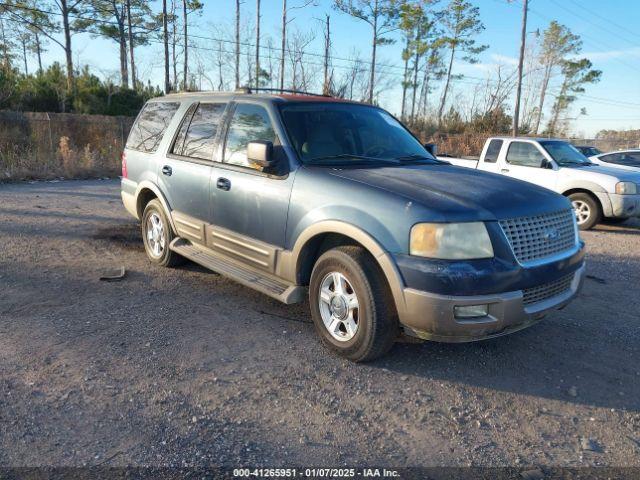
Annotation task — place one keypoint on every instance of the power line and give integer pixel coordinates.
(617, 25)
(595, 42)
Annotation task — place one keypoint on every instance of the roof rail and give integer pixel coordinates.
(248, 90)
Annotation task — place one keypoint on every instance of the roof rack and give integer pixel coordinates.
(249, 90)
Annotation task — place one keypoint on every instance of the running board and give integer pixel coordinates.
(275, 288)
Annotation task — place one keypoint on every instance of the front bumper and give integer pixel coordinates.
(431, 316)
(624, 206)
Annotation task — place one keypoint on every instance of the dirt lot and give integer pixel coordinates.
(181, 367)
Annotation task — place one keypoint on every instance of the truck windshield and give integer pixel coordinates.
(564, 153)
(325, 133)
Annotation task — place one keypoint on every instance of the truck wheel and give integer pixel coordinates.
(587, 210)
(351, 305)
(157, 235)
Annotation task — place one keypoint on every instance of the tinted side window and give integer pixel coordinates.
(249, 123)
(178, 143)
(493, 150)
(524, 154)
(146, 134)
(630, 159)
(200, 136)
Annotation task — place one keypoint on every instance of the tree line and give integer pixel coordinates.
(436, 37)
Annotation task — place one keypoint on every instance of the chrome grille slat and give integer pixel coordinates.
(548, 290)
(528, 236)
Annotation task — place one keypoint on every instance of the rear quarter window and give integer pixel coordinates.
(493, 150)
(150, 126)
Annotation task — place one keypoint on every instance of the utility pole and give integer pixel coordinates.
(284, 42)
(516, 112)
(327, 49)
(257, 43)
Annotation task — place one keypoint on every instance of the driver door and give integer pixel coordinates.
(526, 161)
(249, 204)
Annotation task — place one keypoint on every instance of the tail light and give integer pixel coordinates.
(124, 164)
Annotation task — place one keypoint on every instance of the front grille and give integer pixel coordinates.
(540, 236)
(548, 290)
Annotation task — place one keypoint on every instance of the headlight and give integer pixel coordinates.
(450, 241)
(626, 188)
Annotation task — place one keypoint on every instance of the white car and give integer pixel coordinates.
(596, 191)
(623, 159)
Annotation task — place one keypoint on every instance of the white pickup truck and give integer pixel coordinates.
(596, 192)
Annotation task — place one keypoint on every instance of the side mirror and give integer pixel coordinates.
(261, 153)
(546, 164)
(432, 148)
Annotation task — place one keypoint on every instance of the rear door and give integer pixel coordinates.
(250, 204)
(526, 161)
(185, 172)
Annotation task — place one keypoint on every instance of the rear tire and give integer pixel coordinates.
(351, 305)
(157, 235)
(587, 209)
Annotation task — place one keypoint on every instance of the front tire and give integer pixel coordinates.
(587, 210)
(351, 305)
(157, 235)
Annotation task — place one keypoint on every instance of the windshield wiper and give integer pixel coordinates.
(419, 158)
(344, 156)
(575, 164)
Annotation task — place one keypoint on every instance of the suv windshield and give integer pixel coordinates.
(564, 153)
(350, 134)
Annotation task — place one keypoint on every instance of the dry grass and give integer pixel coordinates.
(43, 146)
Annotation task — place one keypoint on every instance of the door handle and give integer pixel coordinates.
(505, 170)
(166, 170)
(223, 184)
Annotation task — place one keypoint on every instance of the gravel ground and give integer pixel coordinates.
(181, 367)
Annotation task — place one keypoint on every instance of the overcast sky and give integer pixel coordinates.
(611, 40)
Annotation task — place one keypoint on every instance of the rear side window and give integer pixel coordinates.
(524, 154)
(148, 130)
(493, 150)
(197, 135)
(630, 159)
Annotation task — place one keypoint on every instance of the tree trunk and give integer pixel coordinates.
(326, 88)
(5, 51)
(405, 84)
(372, 76)
(131, 58)
(543, 92)
(165, 31)
(446, 87)
(174, 41)
(523, 38)
(67, 44)
(124, 68)
(284, 42)
(24, 56)
(237, 43)
(257, 43)
(416, 63)
(186, 45)
(557, 108)
(39, 52)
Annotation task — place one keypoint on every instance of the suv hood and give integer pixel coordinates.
(459, 194)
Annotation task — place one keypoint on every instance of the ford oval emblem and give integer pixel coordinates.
(551, 234)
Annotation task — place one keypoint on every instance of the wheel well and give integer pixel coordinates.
(144, 197)
(315, 247)
(585, 191)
